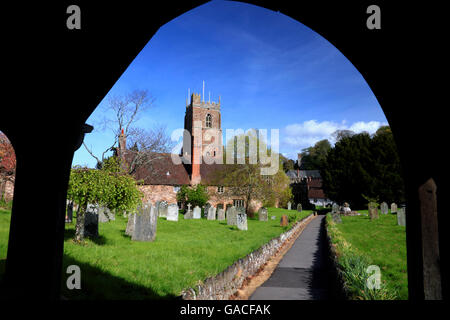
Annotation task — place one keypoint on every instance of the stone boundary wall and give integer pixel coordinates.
(226, 283)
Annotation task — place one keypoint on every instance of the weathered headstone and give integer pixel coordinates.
(157, 203)
(220, 214)
(284, 220)
(145, 223)
(172, 212)
(262, 214)
(336, 217)
(162, 210)
(197, 212)
(211, 213)
(105, 215)
(273, 217)
(206, 209)
(189, 214)
(373, 211)
(130, 225)
(231, 216)
(241, 221)
(69, 214)
(335, 207)
(299, 207)
(384, 208)
(91, 221)
(393, 207)
(289, 205)
(401, 218)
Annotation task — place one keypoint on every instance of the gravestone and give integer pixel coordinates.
(240, 210)
(172, 212)
(334, 207)
(262, 214)
(231, 216)
(373, 211)
(91, 221)
(130, 225)
(289, 205)
(393, 207)
(284, 220)
(197, 212)
(189, 214)
(145, 223)
(401, 216)
(241, 221)
(211, 213)
(206, 209)
(273, 217)
(105, 215)
(220, 214)
(157, 203)
(299, 207)
(69, 214)
(336, 217)
(162, 210)
(384, 208)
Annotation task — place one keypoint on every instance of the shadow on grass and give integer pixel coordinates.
(70, 234)
(97, 284)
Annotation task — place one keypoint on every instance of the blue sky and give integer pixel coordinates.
(271, 72)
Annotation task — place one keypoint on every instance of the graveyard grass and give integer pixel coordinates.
(382, 242)
(183, 254)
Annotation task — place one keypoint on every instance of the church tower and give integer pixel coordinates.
(203, 121)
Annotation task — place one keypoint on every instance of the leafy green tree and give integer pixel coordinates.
(196, 196)
(246, 180)
(107, 187)
(314, 157)
(360, 166)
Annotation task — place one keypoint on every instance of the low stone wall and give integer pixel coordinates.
(226, 283)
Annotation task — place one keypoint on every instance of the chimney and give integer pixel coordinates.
(196, 153)
(299, 159)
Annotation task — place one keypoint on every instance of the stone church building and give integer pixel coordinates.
(162, 177)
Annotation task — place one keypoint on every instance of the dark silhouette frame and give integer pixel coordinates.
(56, 78)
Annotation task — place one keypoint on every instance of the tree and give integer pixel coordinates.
(288, 164)
(245, 180)
(313, 157)
(107, 187)
(340, 134)
(196, 196)
(147, 144)
(361, 166)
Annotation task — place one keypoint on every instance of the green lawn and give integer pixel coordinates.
(184, 253)
(384, 243)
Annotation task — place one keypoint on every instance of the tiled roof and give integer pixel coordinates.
(161, 171)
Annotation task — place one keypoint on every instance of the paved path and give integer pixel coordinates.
(302, 273)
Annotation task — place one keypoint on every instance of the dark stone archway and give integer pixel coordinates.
(56, 77)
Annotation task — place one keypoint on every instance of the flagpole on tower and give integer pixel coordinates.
(203, 90)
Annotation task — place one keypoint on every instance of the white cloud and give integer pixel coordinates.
(297, 136)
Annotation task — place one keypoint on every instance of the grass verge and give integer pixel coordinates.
(184, 254)
(359, 243)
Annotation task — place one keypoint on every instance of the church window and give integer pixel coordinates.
(208, 121)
